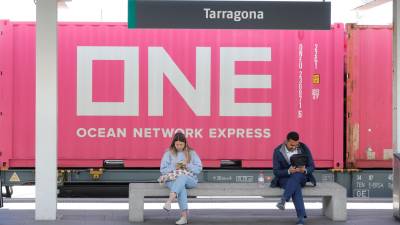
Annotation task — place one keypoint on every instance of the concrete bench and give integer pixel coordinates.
(334, 197)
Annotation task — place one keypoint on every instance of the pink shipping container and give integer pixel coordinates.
(123, 92)
(369, 96)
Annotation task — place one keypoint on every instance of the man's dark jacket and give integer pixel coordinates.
(281, 164)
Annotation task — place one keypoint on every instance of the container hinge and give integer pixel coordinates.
(96, 173)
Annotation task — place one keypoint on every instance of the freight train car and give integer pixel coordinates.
(122, 94)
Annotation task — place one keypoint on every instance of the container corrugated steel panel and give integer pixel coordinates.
(6, 92)
(369, 97)
(299, 74)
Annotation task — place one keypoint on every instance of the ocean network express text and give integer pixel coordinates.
(169, 132)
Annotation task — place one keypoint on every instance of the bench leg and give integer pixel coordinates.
(335, 207)
(325, 202)
(136, 208)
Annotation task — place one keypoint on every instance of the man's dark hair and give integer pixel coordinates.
(293, 135)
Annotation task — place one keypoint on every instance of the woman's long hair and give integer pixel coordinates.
(181, 137)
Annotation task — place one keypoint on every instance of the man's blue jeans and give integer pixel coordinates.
(292, 186)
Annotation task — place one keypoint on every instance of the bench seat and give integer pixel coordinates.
(334, 196)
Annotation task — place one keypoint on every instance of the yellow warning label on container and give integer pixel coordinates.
(14, 178)
(315, 78)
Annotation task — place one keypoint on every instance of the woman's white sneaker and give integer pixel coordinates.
(167, 206)
(182, 220)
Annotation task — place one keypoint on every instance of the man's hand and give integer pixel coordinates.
(292, 170)
(301, 169)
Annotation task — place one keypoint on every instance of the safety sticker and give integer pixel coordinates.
(14, 178)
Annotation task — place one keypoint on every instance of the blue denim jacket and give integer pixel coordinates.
(168, 162)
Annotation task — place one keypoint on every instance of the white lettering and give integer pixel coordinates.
(81, 132)
(207, 10)
(249, 133)
(221, 133)
(267, 133)
(236, 15)
(161, 64)
(189, 133)
(212, 15)
(244, 15)
(240, 133)
(300, 82)
(229, 15)
(231, 132)
(137, 132)
(167, 132)
(156, 130)
(212, 133)
(257, 133)
(315, 56)
(229, 81)
(197, 133)
(101, 132)
(92, 132)
(121, 132)
(149, 132)
(84, 98)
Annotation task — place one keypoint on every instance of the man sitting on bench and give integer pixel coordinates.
(292, 175)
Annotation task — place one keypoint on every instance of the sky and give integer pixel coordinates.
(343, 11)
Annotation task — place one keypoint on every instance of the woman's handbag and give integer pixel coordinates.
(173, 175)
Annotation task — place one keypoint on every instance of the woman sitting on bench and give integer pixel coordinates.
(179, 167)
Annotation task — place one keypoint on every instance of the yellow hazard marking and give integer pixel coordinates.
(14, 178)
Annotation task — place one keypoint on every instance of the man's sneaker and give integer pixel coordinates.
(182, 220)
(167, 206)
(281, 204)
(300, 222)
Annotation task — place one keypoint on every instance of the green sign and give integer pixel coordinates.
(131, 13)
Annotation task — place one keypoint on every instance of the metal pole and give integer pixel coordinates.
(396, 111)
(46, 110)
(396, 87)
